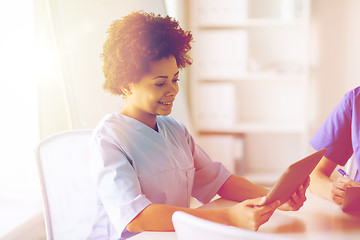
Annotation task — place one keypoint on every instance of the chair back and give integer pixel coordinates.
(189, 227)
(68, 192)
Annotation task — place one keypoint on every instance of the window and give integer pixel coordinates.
(19, 187)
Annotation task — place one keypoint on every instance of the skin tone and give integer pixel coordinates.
(323, 186)
(154, 95)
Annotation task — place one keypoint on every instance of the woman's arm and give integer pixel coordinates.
(321, 183)
(237, 188)
(324, 187)
(247, 214)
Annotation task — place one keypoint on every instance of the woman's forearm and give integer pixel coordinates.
(237, 188)
(320, 184)
(249, 214)
(157, 217)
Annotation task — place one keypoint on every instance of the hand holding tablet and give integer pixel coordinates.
(294, 175)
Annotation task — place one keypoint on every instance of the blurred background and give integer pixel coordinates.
(266, 74)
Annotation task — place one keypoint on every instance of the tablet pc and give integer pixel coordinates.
(294, 175)
(351, 199)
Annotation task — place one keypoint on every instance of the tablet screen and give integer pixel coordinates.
(294, 175)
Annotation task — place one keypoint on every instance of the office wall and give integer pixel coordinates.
(335, 55)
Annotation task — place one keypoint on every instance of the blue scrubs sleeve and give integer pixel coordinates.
(335, 133)
(117, 184)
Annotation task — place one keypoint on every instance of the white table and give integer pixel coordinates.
(318, 219)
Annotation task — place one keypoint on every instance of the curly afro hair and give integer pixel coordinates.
(136, 40)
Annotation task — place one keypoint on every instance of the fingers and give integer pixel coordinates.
(255, 202)
(306, 184)
(266, 211)
(259, 219)
(266, 216)
(271, 206)
(338, 199)
(256, 212)
(338, 189)
(262, 215)
(342, 183)
(347, 181)
(301, 194)
(258, 203)
(297, 199)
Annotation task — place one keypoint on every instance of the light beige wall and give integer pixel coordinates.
(335, 38)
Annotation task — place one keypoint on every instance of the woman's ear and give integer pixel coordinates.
(126, 90)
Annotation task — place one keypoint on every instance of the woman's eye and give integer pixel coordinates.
(160, 84)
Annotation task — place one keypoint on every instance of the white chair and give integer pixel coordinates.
(69, 196)
(189, 227)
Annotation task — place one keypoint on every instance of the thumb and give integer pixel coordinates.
(256, 201)
(262, 200)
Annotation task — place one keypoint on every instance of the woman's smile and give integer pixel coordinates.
(166, 103)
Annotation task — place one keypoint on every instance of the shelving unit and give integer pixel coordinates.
(249, 82)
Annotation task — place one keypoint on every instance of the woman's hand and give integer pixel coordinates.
(251, 213)
(338, 188)
(297, 199)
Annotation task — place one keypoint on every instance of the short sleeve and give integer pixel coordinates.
(117, 184)
(335, 133)
(209, 175)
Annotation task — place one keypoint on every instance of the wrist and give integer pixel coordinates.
(227, 216)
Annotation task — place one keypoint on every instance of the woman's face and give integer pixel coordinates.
(155, 93)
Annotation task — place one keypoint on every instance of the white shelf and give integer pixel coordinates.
(245, 128)
(263, 178)
(250, 80)
(258, 23)
(294, 77)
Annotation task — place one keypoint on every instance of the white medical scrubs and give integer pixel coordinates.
(137, 166)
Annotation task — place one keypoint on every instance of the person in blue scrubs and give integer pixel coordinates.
(148, 165)
(340, 135)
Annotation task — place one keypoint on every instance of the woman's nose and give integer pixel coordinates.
(173, 89)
